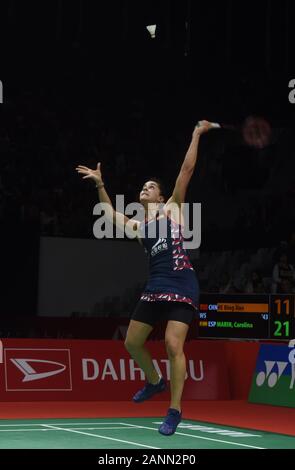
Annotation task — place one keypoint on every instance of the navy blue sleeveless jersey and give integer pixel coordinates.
(171, 275)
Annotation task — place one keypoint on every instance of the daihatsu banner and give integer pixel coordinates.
(37, 370)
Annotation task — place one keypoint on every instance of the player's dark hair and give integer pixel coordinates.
(161, 186)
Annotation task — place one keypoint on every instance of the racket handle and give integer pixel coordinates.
(214, 125)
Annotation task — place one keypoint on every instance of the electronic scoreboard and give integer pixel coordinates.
(249, 316)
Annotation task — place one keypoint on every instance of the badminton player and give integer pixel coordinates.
(172, 291)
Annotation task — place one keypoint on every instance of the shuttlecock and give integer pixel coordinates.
(152, 30)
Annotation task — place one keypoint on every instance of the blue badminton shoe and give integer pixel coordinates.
(170, 423)
(149, 390)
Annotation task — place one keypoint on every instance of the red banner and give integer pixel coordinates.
(37, 370)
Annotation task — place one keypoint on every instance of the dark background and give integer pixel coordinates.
(84, 82)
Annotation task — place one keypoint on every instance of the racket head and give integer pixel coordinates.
(256, 132)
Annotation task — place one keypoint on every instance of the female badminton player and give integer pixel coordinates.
(172, 290)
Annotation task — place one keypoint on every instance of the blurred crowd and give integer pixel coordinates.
(266, 270)
(42, 144)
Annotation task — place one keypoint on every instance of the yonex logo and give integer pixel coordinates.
(31, 374)
(274, 369)
(272, 377)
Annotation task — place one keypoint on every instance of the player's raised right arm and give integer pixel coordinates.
(119, 219)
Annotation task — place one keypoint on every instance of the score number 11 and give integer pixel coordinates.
(282, 329)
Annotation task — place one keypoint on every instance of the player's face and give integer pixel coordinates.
(150, 192)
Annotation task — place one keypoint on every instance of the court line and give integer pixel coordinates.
(41, 424)
(200, 437)
(101, 437)
(86, 429)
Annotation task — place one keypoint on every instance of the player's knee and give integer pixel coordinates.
(131, 344)
(174, 347)
(128, 344)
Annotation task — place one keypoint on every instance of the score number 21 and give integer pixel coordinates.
(285, 326)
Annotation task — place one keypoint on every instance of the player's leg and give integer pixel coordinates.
(175, 335)
(136, 336)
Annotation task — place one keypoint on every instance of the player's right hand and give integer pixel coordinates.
(202, 127)
(95, 175)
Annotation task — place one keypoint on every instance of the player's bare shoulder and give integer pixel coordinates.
(174, 211)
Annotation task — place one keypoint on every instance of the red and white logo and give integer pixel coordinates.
(37, 369)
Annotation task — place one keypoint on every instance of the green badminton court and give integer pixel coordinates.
(132, 433)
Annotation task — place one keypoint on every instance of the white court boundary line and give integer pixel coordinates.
(76, 429)
(126, 425)
(200, 437)
(101, 437)
(56, 424)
